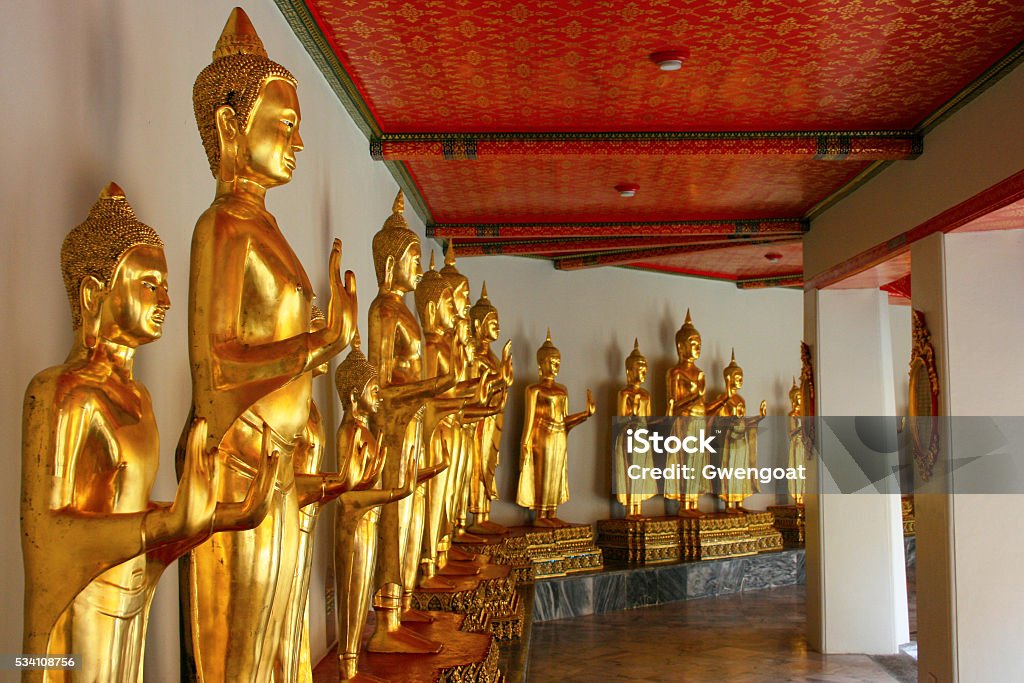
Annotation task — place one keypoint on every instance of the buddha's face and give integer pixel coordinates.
(135, 301)
(408, 272)
(489, 327)
(369, 399)
(462, 299)
(735, 379)
(795, 400)
(637, 372)
(549, 366)
(689, 348)
(267, 148)
(446, 310)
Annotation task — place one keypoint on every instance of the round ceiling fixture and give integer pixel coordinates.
(627, 189)
(773, 256)
(669, 60)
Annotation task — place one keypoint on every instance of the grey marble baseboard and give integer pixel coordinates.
(619, 589)
(910, 550)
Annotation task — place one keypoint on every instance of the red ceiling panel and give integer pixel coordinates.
(581, 65)
(736, 263)
(671, 188)
(1010, 217)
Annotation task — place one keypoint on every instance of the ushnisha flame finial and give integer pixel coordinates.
(239, 37)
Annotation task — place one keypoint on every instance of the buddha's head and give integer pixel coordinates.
(458, 281)
(396, 252)
(484, 317)
(357, 382)
(688, 340)
(549, 359)
(795, 398)
(636, 365)
(247, 109)
(733, 374)
(435, 302)
(115, 274)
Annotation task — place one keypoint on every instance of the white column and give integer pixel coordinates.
(969, 550)
(856, 578)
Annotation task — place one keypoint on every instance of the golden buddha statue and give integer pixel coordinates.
(739, 435)
(252, 353)
(360, 459)
(543, 464)
(487, 437)
(93, 542)
(685, 386)
(797, 450)
(634, 404)
(396, 351)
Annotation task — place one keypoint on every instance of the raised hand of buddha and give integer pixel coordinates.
(342, 311)
(195, 503)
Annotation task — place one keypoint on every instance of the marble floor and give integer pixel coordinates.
(754, 637)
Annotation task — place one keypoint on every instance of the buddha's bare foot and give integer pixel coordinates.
(455, 568)
(488, 528)
(560, 523)
(402, 640)
(690, 512)
(546, 522)
(431, 583)
(462, 556)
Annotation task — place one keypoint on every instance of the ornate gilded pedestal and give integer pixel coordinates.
(789, 521)
(539, 553)
(489, 600)
(643, 540)
(467, 657)
(909, 523)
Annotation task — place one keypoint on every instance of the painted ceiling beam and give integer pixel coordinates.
(630, 256)
(762, 282)
(823, 145)
(564, 246)
(767, 226)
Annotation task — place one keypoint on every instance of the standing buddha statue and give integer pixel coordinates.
(738, 436)
(395, 349)
(94, 544)
(253, 352)
(486, 442)
(685, 386)
(543, 462)
(633, 404)
(797, 449)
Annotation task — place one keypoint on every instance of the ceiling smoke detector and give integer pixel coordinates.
(627, 189)
(773, 256)
(669, 60)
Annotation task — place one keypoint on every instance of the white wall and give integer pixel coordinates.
(103, 92)
(899, 329)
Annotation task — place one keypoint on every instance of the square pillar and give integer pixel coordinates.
(969, 555)
(856, 577)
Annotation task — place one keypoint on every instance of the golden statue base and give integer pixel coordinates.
(542, 553)
(789, 521)
(909, 523)
(640, 540)
(489, 600)
(715, 536)
(466, 656)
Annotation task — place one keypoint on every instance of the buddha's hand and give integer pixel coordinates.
(191, 513)
(591, 406)
(426, 473)
(764, 408)
(506, 363)
(342, 310)
(254, 507)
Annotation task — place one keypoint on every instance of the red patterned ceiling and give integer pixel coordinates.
(488, 111)
(551, 190)
(582, 65)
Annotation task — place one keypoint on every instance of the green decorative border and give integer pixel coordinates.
(647, 135)
(742, 226)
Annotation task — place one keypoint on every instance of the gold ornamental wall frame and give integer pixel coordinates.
(807, 398)
(924, 398)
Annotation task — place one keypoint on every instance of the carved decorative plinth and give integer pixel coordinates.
(645, 540)
(762, 528)
(715, 536)
(489, 600)
(909, 523)
(467, 657)
(789, 521)
(537, 553)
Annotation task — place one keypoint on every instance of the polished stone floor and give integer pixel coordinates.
(756, 636)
